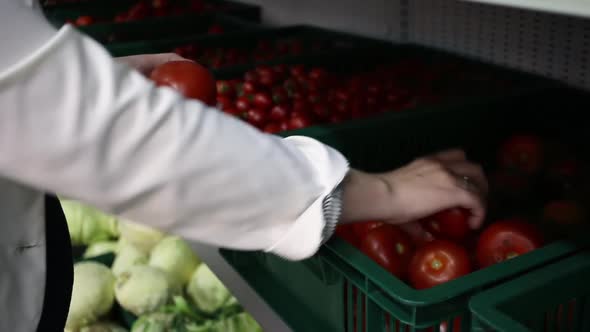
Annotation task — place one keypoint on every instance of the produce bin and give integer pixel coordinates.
(407, 78)
(300, 39)
(164, 28)
(105, 12)
(339, 283)
(552, 298)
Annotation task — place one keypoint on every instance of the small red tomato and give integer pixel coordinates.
(263, 101)
(450, 224)
(298, 122)
(436, 263)
(224, 88)
(279, 112)
(507, 239)
(298, 71)
(389, 247)
(318, 74)
(523, 153)
(249, 87)
(224, 102)
(272, 128)
(266, 80)
(284, 125)
(362, 228)
(216, 29)
(243, 104)
(189, 78)
(346, 232)
(84, 20)
(256, 117)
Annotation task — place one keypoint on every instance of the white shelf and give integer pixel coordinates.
(579, 8)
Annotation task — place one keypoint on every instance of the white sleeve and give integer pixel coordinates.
(74, 122)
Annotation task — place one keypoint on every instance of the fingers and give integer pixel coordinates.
(472, 202)
(473, 172)
(452, 155)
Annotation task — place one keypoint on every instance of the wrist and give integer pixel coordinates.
(365, 197)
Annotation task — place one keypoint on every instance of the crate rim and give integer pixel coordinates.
(484, 305)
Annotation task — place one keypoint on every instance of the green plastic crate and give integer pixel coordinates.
(105, 10)
(553, 298)
(318, 294)
(247, 40)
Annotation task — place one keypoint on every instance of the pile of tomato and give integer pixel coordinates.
(144, 9)
(289, 97)
(443, 247)
(264, 50)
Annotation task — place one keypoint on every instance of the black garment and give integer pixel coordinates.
(60, 269)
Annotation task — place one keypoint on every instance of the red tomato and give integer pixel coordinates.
(523, 153)
(84, 20)
(224, 102)
(262, 101)
(298, 71)
(450, 224)
(249, 87)
(299, 121)
(272, 128)
(189, 78)
(362, 228)
(279, 112)
(347, 233)
(438, 262)
(507, 239)
(256, 117)
(389, 247)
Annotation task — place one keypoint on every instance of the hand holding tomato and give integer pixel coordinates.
(189, 78)
(417, 190)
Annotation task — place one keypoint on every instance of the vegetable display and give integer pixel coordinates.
(155, 283)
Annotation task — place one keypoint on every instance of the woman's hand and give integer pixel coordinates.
(145, 63)
(417, 190)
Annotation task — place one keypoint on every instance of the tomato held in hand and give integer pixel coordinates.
(189, 78)
(436, 263)
(390, 247)
(523, 153)
(507, 239)
(450, 224)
